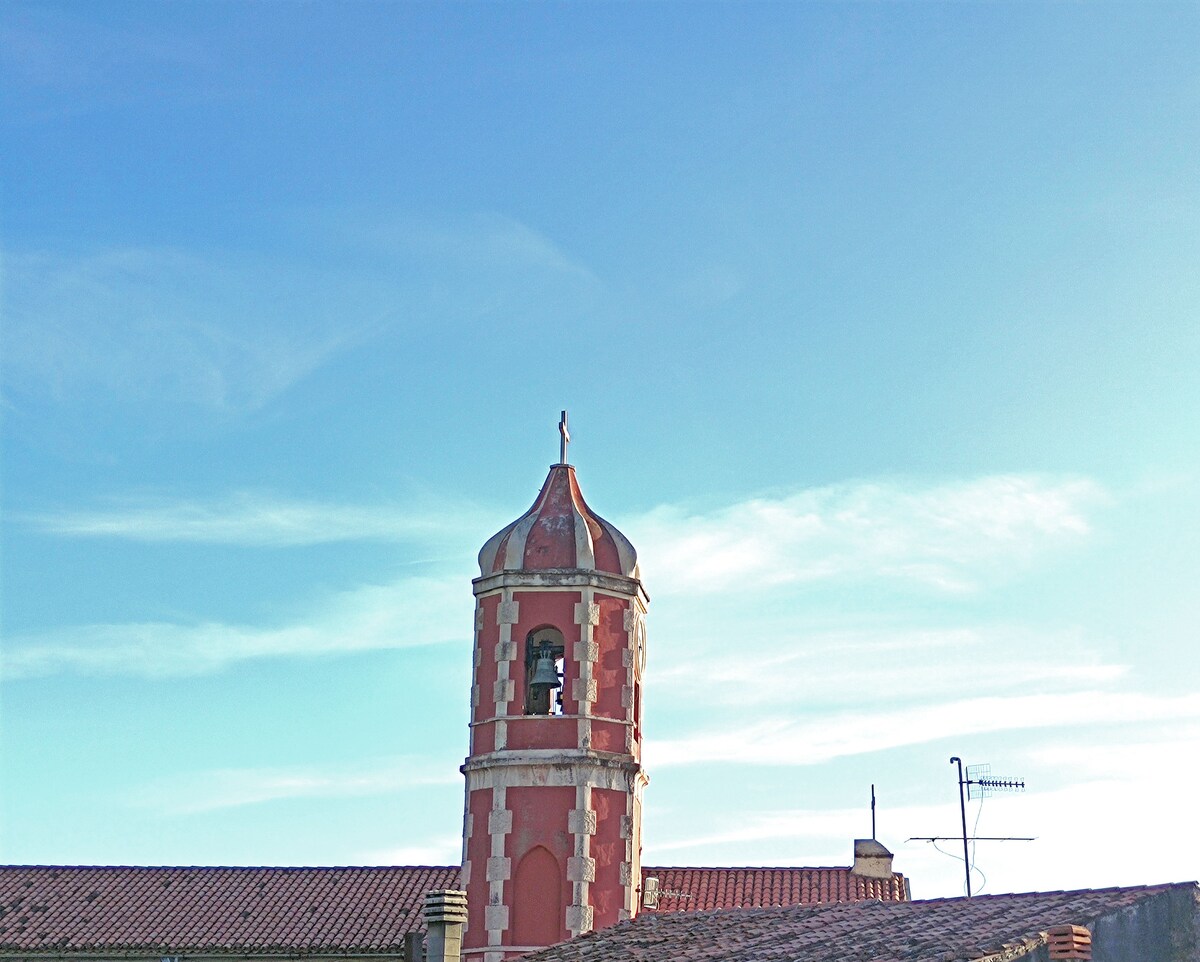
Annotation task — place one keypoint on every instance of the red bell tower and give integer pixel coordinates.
(552, 822)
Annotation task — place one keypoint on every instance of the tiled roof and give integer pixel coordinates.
(945, 930)
(322, 909)
(701, 889)
(214, 909)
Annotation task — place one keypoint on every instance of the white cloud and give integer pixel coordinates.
(950, 537)
(815, 825)
(234, 787)
(446, 850)
(891, 664)
(256, 519)
(791, 741)
(1103, 807)
(413, 611)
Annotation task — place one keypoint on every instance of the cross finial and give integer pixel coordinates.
(564, 440)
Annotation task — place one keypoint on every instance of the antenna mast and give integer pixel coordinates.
(980, 787)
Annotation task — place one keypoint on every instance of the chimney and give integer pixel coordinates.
(650, 894)
(1069, 942)
(871, 859)
(445, 915)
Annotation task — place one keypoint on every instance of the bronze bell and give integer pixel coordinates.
(545, 675)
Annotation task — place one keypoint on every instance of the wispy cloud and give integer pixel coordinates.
(161, 324)
(250, 519)
(221, 788)
(900, 663)
(412, 611)
(445, 850)
(783, 740)
(44, 48)
(488, 240)
(950, 537)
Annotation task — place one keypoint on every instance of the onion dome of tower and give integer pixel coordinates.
(559, 531)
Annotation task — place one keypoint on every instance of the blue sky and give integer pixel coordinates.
(877, 324)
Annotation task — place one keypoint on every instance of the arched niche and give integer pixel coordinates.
(538, 909)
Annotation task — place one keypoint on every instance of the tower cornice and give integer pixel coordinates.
(561, 578)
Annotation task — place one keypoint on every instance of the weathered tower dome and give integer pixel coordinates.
(559, 531)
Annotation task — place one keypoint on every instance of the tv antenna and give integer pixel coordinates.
(979, 782)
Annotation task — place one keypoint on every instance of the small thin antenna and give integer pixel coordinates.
(873, 813)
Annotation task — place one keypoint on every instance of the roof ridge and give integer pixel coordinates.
(1149, 889)
(231, 868)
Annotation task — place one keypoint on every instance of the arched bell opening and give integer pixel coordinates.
(545, 652)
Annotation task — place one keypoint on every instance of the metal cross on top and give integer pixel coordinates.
(564, 440)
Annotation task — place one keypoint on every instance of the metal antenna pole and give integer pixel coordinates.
(962, 807)
(872, 812)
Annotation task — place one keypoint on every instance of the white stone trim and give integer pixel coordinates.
(508, 612)
(504, 691)
(585, 552)
(499, 868)
(500, 821)
(586, 651)
(618, 586)
(555, 767)
(584, 690)
(495, 919)
(505, 651)
(579, 919)
(581, 868)
(587, 612)
(581, 821)
(478, 616)
(514, 551)
(496, 922)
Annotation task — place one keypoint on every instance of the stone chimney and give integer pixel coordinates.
(445, 915)
(1069, 942)
(871, 859)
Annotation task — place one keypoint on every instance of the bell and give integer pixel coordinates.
(545, 675)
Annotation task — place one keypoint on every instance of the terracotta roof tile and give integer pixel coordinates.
(685, 889)
(307, 909)
(323, 909)
(946, 930)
